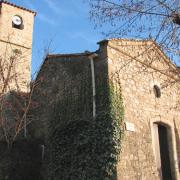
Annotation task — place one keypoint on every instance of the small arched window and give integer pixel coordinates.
(157, 91)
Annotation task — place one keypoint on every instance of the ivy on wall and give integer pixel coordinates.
(79, 147)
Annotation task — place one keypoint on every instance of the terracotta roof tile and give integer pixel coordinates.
(14, 5)
(124, 39)
(68, 55)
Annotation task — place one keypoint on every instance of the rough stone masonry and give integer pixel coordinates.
(151, 102)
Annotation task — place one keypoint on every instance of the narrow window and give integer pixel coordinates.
(157, 91)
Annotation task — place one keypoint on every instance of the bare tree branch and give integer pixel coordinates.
(158, 20)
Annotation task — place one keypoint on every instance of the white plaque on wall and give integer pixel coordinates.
(130, 126)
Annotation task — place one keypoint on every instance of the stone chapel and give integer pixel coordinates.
(78, 83)
(112, 114)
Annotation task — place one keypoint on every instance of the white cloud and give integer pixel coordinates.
(59, 10)
(46, 19)
(40, 16)
(53, 6)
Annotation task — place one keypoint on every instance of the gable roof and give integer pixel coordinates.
(143, 42)
(123, 39)
(14, 5)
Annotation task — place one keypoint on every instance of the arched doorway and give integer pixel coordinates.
(164, 150)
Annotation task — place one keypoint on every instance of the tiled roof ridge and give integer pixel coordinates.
(125, 39)
(14, 5)
(69, 55)
(153, 42)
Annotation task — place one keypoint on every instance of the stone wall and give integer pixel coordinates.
(20, 159)
(20, 71)
(62, 98)
(17, 36)
(58, 75)
(16, 43)
(142, 108)
(77, 146)
(139, 65)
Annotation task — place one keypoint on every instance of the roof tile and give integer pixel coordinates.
(14, 5)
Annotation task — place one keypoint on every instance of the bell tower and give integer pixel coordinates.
(16, 32)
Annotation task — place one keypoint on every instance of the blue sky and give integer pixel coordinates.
(64, 25)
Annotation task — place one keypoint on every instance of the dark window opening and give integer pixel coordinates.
(18, 26)
(157, 91)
